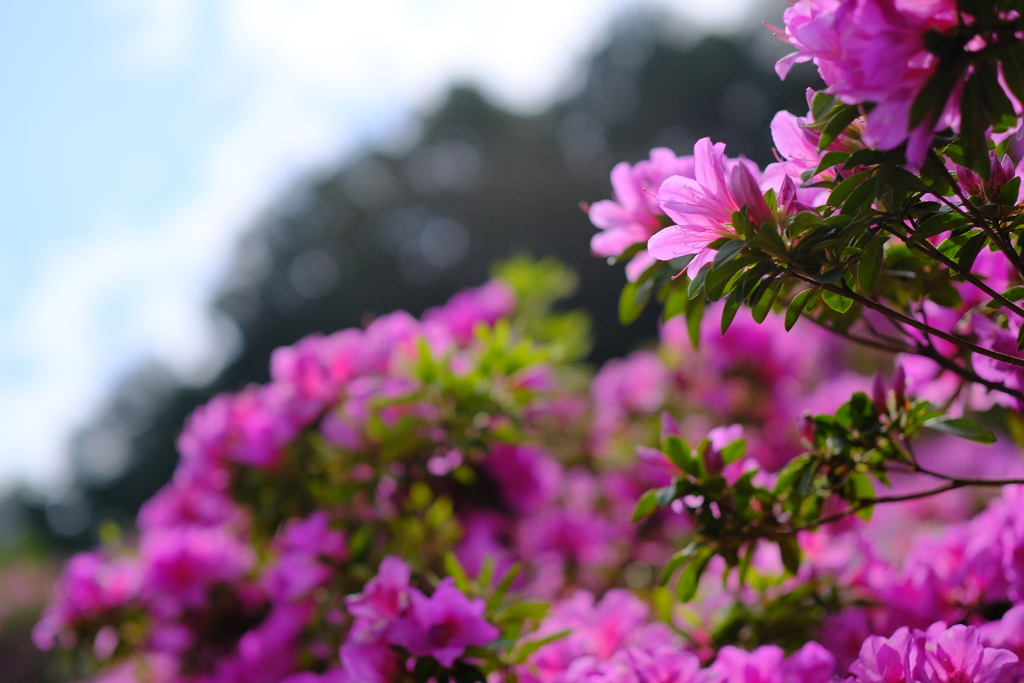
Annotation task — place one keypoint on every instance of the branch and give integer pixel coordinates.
(930, 249)
(907, 320)
(979, 219)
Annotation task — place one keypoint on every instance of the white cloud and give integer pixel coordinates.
(315, 76)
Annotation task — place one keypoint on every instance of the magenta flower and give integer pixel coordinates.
(703, 207)
(90, 587)
(886, 660)
(384, 598)
(527, 477)
(484, 304)
(181, 564)
(368, 662)
(633, 214)
(443, 625)
(874, 51)
(1001, 171)
(956, 655)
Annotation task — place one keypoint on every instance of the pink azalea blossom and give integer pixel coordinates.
(443, 625)
(874, 51)
(702, 207)
(633, 214)
(384, 598)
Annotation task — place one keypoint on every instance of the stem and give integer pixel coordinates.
(906, 320)
(969, 375)
(979, 219)
(970, 482)
(953, 483)
(880, 345)
(930, 249)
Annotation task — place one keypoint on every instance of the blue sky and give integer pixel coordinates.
(138, 138)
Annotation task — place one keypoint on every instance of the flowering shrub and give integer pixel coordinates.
(460, 498)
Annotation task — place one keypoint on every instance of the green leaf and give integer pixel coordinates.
(689, 580)
(679, 453)
(796, 307)
(675, 303)
(729, 309)
(697, 284)
(716, 284)
(1008, 192)
(727, 252)
(993, 95)
(745, 562)
(455, 570)
(843, 116)
(836, 302)
(869, 269)
(821, 103)
(646, 506)
(864, 490)
(503, 585)
(828, 160)
(762, 299)
(934, 225)
(694, 314)
(790, 551)
(1015, 425)
(863, 157)
(861, 195)
(678, 559)
(843, 189)
(931, 99)
(964, 427)
(1012, 61)
(633, 300)
(969, 252)
(974, 120)
(733, 451)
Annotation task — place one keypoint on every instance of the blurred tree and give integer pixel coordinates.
(408, 229)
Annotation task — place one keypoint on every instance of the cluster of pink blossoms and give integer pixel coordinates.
(699, 193)
(211, 593)
(874, 51)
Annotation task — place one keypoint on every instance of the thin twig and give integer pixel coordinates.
(930, 249)
(907, 320)
(979, 218)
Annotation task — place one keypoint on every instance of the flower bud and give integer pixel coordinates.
(669, 427)
(713, 461)
(878, 395)
(899, 384)
(806, 428)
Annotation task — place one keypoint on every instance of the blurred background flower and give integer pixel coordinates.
(186, 185)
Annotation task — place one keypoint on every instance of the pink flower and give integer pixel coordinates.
(956, 655)
(886, 660)
(527, 477)
(181, 564)
(599, 631)
(313, 536)
(996, 338)
(633, 215)
(90, 587)
(938, 655)
(874, 51)
(767, 664)
(369, 662)
(484, 304)
(703, 207)
(443, 625)
(384, 598)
